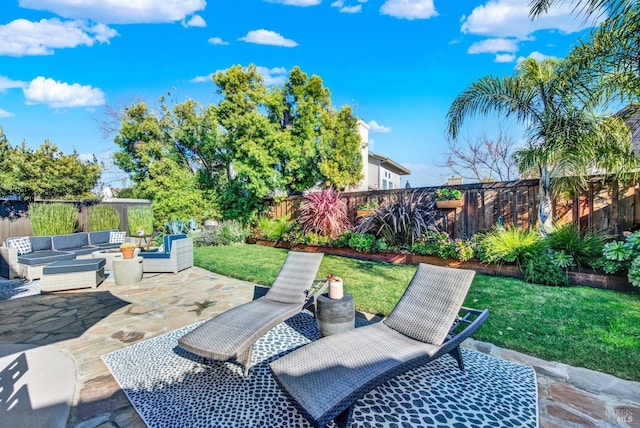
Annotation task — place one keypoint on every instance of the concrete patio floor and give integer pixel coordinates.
(85, 324)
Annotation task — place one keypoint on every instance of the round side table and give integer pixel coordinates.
(127, 271)
(335, 315)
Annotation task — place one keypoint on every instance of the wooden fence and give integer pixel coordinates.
(602, 207)
(14, 215)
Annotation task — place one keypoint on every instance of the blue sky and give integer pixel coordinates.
(398, 63)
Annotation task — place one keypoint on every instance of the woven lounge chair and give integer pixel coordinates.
(230, 336)
(325, 378)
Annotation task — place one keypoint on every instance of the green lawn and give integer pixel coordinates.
(580, 326)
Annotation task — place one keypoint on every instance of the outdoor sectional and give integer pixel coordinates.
(49, 249)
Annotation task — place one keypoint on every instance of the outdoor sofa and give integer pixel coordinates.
(175, 254)
(25, 257)
(325, 378)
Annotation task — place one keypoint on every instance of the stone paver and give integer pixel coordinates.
(85, 324)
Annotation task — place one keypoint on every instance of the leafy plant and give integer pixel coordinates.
(511, 245)
(624, 255)
(102, 217)
(371, 204)
(53, 219)
(403, 220)
(273, 229)
(439, 244)
(140, 219)
(363, 242)
(226, 233)
(584, 246)
(549, 267)
(175, 226)
(618, 251)
(447, 194)
(324, 213)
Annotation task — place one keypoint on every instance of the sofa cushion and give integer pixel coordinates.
(169, 239)
(117, 237)
(87, 249)
(21, 245)
(99, 237)
(44, 257)
(72, 240)
(68, 266)
(154, 254)
(39, 243)
(106, 246)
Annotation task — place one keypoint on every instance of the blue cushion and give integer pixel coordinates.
(44, 257)
(73, 240)
(154, 255)
(169, 239)
(67, 266)
(99, 237)
(39, 243)
(87, 249)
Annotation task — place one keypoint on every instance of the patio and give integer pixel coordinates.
(87, 324)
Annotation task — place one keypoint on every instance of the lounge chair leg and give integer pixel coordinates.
(343, 420)
(246, 361)
(457, 354)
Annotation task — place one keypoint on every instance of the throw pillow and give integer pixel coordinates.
(117, 237)
(22, 245)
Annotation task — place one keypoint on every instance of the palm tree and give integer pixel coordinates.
(565, 137)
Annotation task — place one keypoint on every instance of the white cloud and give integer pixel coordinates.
(217, 41)
(6, 83)
(510, 18)
(351, 9)
(303, 3)
(4, 113)
(266, 37)
(494, 46)
(535, 55)
(337, 3)
(505, 57)
(195, 21)
(21, 37)
(119, 11)
(409, 9)
(202, 79)
(376, 127)
(272, 76)
(60, 94)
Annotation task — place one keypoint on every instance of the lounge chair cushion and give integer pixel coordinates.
(430, 304)
(298, 268)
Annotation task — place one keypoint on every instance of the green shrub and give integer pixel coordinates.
(584, 246)
(511, 245)
(439, 244)
(140, 219)
(324, 213)
(363, 242)
(53, 219)
(447, 194)
(549, 268)
(102, 217)
(402, 221)
(227, 233)
(273, 229)
(341, 241)
(624, 256)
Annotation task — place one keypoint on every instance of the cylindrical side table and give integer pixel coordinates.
(127, 271)
(335, 315)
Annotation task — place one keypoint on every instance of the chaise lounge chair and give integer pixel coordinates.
(230, 336)
(325, 378)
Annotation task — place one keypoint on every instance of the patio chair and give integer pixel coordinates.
(176, 254)
(325, 378)
(230, 336)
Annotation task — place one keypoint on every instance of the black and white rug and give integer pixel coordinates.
(169, 387)
(15, 288)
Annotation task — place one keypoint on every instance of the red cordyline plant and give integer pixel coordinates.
(324, 213)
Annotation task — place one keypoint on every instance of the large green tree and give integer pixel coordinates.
(46, 172)
(565, 136)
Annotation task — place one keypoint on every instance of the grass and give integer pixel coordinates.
(580, 326)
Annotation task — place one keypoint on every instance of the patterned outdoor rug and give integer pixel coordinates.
(16, 288)
(169, 387)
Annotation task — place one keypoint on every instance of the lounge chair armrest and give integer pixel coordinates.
(318, 288)
(473, 318)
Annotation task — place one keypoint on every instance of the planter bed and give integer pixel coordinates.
(589, 279)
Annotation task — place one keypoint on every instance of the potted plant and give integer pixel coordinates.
(449, 198)
(363, 210)
(127, 249)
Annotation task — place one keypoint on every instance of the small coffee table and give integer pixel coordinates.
(335, 315)
(127, 271)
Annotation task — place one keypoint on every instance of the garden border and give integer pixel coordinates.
(588, 279)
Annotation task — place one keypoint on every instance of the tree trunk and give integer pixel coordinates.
(544, 207)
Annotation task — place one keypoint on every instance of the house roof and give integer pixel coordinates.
(631, 116)
(389, 164)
